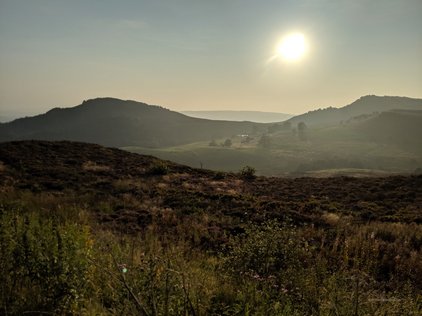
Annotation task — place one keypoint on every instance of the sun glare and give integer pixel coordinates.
(292, 47)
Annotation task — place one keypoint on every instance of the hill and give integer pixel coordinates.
(86, 229)
(364, 105)
(42, 166)
(377, 143)
(400, 128)
(115, 122)
(251, 116)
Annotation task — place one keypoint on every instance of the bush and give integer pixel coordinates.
(227, 143)
(159, 168)
(265, 250)
(248, 172)
(45, 266)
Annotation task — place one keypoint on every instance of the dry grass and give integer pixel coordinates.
(92, 166)
(331, 218)
(162, 185)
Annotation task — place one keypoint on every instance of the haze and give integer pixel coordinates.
(206, 55)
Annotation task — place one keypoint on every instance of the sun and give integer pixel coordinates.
(292, 47)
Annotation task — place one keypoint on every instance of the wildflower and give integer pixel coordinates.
(123, 267)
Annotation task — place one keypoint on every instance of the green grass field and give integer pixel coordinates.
(328, 149)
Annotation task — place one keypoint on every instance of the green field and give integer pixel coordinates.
(327, 149)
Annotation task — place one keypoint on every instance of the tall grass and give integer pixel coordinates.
(55, 259)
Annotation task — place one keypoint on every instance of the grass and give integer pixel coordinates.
(326, 149)
(73, 266)
(127, 241)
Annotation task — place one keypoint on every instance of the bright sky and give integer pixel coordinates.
(207, 55)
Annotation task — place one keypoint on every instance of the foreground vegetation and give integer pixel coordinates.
(132, 235)
(63, 263)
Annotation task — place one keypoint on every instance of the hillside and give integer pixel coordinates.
(115, 122)
(377, 143)
(403, 128)
(251, 116)
(364, 105)
(41, 166)
(86, 229)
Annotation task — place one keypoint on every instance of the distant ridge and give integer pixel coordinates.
(364, 105)
(120, 123)
(115, 122)
(251, 116)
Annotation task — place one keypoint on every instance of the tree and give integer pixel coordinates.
(248, 172)
(227, 143)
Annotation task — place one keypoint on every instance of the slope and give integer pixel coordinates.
(364, 105)
(401, 128)
(113, 175)
(115, 122)
(91, 230)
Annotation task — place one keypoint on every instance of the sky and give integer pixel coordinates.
(207, 55)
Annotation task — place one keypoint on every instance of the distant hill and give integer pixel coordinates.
(369, 144)
(365, 105)
(7, 116)
(114, 122)
(251, 116)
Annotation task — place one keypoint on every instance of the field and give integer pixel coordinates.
(91, 230)
(284, 154)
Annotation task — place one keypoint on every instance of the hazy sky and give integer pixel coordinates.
(207, 54)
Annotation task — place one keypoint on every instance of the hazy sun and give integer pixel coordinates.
(292, 47)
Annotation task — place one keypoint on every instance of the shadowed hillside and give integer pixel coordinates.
(365, 105)
(402, 128)
(115, 122)
(377, 143)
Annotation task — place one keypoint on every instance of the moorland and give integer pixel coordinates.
(371, 136)
(86, 229)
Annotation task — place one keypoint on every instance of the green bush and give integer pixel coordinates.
(264, 251)
(50, 264)
(45, 266)
(248, 172)
(159, 168)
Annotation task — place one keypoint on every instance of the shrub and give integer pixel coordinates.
(219, 175)
(248, 172)
(159, 168)
(227, 143)
(265, 250)
(45, 265)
